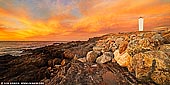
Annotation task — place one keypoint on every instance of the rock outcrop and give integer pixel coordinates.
(123, 58)
(152, 65)
(127, 47)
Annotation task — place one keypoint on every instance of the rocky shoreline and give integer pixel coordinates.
(123, 58)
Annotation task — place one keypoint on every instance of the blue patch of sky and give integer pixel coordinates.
(6, 4)
(37, 9)
(3, 5)
(40, 9)
(76, 12)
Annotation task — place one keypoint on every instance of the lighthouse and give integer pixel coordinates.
(141, 23)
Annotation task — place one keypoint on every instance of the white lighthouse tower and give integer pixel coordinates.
(141, 23)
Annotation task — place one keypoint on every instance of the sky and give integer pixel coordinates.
(67, 20)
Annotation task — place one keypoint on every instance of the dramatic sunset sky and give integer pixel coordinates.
(62, 20)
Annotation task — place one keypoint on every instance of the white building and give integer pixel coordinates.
(141, 23)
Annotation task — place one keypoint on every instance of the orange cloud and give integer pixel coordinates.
(110, 15)
(96, 18)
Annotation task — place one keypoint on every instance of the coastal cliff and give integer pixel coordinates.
(123, 58)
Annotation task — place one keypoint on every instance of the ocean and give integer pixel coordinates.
(16, 48)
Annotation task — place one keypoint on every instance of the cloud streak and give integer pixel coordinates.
(77, 19)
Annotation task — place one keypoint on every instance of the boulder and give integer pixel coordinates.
(91, 56)
(141, 45)
(158, 37)
(166, 37)
(113, 60)
(106, 48)
(98, 48)
(118, 41)
(152, 65)
(123, 46)
(68, 54)
(144, 43)
(107, 56)
(123, 59)
(165, 48)
(82, 59)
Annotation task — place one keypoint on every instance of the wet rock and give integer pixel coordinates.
(107, 56)
(91, 56)
(123, 59)
(152, 65)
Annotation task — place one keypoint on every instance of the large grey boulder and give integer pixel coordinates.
(107, 56)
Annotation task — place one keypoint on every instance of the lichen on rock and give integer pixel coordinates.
(145, 69)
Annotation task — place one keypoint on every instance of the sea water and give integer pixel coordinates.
(16, 48)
